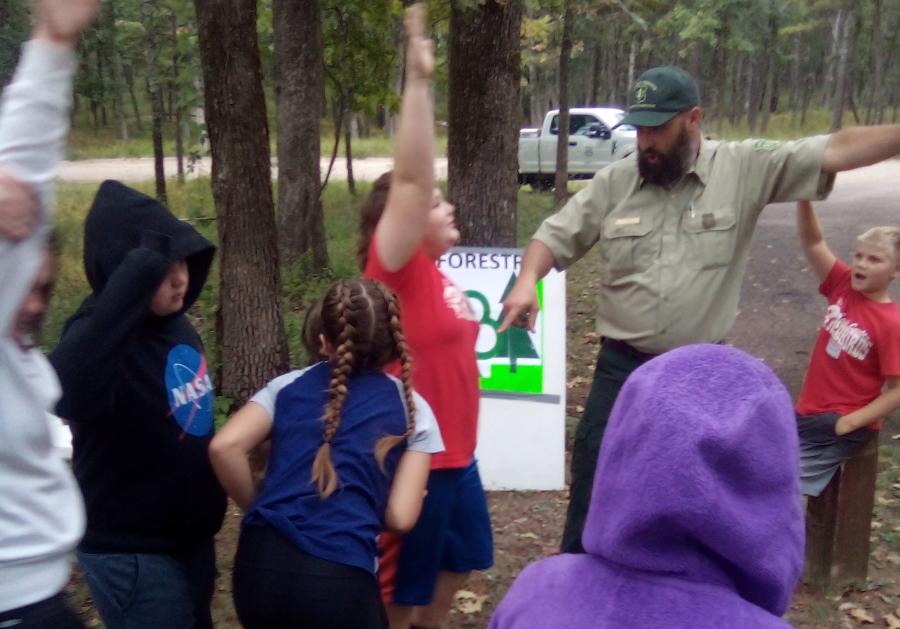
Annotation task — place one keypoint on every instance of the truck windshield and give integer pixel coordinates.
(624, 127)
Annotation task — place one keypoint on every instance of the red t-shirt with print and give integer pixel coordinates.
(441, 330)
(858, 347)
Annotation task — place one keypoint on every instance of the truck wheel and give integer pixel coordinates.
(545, 182)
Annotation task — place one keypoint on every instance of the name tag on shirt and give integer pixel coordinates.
(632, 220)
(833, 349)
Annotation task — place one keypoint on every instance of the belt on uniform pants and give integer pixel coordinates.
(624, 348)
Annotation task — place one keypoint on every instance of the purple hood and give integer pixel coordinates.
(695, 519)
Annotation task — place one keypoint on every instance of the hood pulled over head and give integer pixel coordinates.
(114, 226)
(698, 476)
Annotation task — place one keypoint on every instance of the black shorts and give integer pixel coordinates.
(278, 585)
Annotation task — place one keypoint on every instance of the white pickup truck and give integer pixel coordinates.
(593, 143)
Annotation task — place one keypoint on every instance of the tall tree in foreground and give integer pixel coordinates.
(249, 327)
(299, 95)
(483, 120)
(562, 141)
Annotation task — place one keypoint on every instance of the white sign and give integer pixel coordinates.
(521, 436)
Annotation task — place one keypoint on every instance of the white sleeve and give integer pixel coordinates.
(266, 396)
(34, 120)
(427, 435)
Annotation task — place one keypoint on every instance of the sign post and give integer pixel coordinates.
(521, 437)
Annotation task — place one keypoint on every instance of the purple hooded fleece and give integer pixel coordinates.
(695, 519)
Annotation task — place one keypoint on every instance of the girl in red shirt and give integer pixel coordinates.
(405, 226)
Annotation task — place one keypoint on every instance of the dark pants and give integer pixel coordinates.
(50, 613)
(148, 591)
(614, 364)
(276, 585)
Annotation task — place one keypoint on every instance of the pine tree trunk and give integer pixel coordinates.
(129, 81)
(253, 349)
(177, 109)
(156, 97)
(771, 69)
(841, 81)
(831, 71)
(876, 104)
(562, 141)
(483, 121)
(299, 93)
(348, 152)
(118, 73)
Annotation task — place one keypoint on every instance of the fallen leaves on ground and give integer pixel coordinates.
(469, 602)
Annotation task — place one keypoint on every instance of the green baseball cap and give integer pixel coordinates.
(660, 94)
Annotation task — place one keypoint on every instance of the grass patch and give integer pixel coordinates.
(87, 142)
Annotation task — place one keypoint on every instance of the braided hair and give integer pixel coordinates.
(360, 318)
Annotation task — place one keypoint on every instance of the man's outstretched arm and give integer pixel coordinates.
(856, 147)
(521, 305)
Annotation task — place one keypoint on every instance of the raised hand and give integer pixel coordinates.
(18, 208)
(419, 48)
(62, 21)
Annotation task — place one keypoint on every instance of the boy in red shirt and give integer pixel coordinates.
(853, 380)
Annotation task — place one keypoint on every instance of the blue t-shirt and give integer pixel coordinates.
(343, 527)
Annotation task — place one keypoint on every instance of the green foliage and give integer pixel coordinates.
(14, 26)
(360, 48)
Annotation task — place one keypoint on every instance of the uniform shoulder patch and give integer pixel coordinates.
(767, 145)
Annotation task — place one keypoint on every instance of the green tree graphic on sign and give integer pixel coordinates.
(515, 343)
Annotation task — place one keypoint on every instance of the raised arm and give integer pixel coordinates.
(820, 257)
(230, 448)
(402, 226)
(34, 118)
(114, 317)
(856, 147)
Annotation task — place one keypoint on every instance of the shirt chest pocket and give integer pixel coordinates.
(711, 236)
(626, 246)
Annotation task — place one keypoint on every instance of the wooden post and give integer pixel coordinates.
(839, 522)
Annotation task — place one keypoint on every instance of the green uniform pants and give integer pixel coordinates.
(615, 363)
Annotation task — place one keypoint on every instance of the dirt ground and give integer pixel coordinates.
(778, 321)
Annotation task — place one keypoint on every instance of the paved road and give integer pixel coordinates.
(141, 169)
(780, 306)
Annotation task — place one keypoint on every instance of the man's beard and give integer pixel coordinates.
(669, 166)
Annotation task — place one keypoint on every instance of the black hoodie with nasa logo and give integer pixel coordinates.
(136, 388)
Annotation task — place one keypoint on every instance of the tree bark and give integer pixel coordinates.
(562, 141)
(175, 95)
(831, 71)
(876, 104)
(483, 121)
(155, 92)
(348, 152)
(129, 80)
(841, 82)
(253, 349)
(771, 68)
(299, 93)
(118, 73)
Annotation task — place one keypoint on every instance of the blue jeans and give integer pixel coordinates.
(152, 591)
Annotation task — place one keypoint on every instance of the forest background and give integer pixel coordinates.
(289, 82)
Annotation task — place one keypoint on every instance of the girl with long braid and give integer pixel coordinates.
(351, 448)
(405, 226)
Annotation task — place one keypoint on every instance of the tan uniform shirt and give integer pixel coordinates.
(672, 260)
